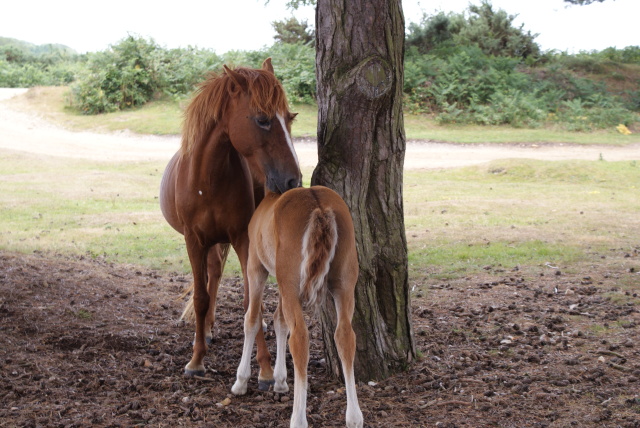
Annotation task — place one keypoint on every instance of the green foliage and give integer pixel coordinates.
(434, 31)
(294, 65)
(136, 70)
(583, 2)
(292, 31)
(494, 33)
(180, 70)
(23, 64)
(490, 30)
(474, 68)
(483, 70)
(124, 76)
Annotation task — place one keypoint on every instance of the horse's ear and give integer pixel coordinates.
(292, 116)
(266, 65)
(237, 78)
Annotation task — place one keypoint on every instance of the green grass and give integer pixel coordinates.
(519, 212)
(419, 127)
(507, 213)
(165, 117)
(95, 209)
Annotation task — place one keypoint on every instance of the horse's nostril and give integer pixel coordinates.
(293, 183)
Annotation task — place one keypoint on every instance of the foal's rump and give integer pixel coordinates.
(315, 224)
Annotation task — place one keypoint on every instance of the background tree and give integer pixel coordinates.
(361, 145)
(293, 31)
(493, 31)
(583, 2)
(434, 31)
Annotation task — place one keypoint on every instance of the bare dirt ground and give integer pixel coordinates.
(87, 343)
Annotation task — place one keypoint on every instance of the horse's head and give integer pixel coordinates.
(258, 123)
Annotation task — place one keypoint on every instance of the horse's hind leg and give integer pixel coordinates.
(198, 259)
(345, 339)
(215, 265)
(252, 324)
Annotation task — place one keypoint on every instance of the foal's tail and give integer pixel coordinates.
(318, 249)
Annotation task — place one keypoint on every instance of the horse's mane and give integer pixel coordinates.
(211, 99)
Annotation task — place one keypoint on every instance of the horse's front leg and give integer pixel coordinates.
(198, 258)
(265, 375)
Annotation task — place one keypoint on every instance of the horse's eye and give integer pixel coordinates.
(263, 122)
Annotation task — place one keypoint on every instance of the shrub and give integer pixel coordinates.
(124, 76)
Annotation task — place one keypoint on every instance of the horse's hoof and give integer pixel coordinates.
(192, 373)
(265, 385)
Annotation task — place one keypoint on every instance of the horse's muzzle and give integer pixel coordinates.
(280, 184)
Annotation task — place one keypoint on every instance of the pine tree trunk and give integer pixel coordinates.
(361, 145)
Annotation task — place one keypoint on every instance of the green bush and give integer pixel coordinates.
(24, 65)
(124, 76)
(180, 70)
(294, 65)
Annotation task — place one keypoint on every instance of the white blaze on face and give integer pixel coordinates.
(288, 137)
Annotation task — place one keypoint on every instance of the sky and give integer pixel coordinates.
(224, 25)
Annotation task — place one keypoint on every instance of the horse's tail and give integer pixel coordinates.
(318, 249)
(189, 313)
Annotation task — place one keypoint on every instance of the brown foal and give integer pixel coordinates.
(305, 238)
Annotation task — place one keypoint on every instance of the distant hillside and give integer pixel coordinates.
(36, 50)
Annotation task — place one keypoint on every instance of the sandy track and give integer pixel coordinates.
(30, 133)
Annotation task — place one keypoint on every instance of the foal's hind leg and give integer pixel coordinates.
(282, 331)
(345, 339)
(299, 348)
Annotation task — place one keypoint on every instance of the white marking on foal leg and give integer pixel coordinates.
(288, 138)
(299, 414)
(354, 417)
(244, 369)
(280, 372)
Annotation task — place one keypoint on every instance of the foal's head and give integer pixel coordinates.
(251, 107)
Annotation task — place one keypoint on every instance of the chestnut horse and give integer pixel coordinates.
(236, 140)
(305, 238)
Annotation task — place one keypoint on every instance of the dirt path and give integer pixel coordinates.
(30, 133)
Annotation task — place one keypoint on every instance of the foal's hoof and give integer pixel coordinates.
(264, 385)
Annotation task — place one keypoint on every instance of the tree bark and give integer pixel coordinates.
(361, 145)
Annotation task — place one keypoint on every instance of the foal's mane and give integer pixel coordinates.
(212, 97)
